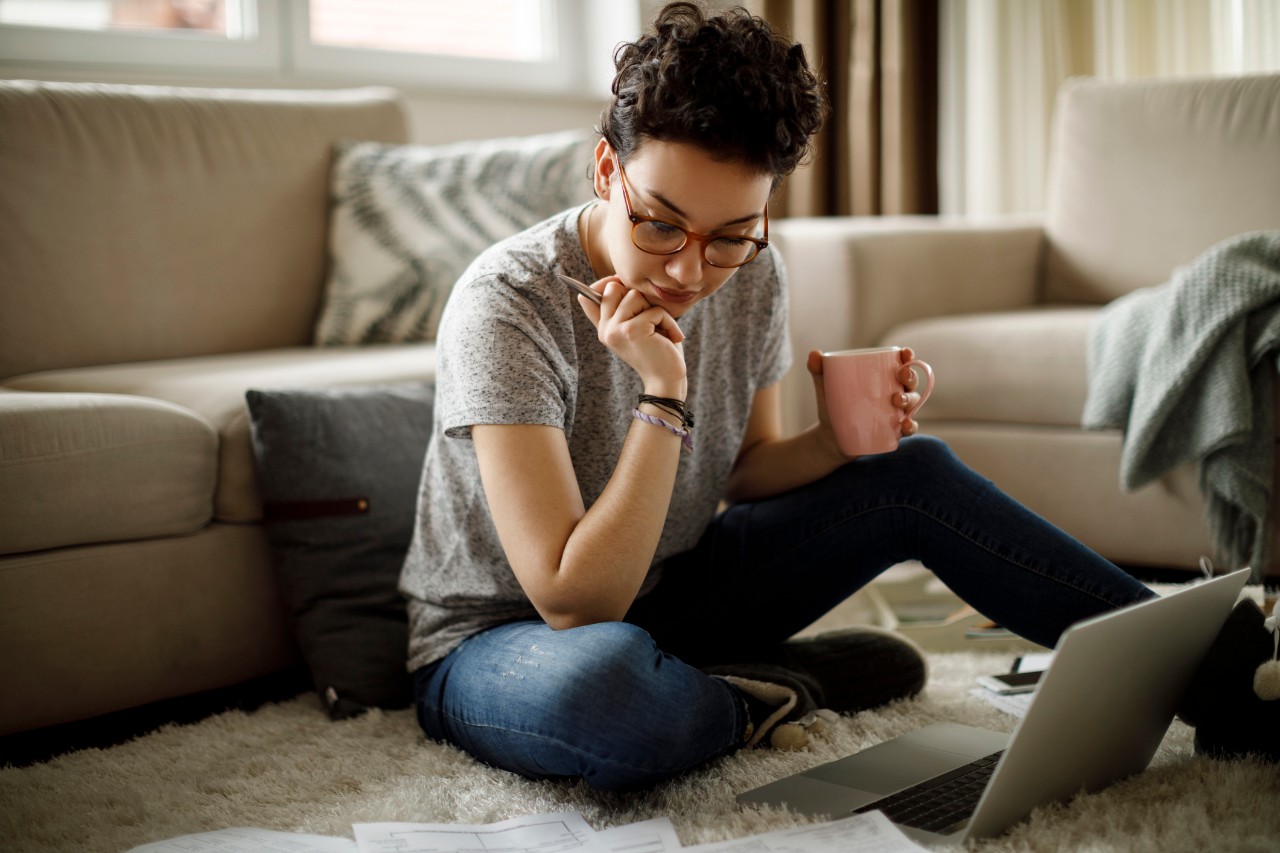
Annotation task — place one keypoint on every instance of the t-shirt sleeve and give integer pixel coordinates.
(497, 359)
(775, 352)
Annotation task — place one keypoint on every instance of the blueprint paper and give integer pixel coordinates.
(249, 840)
(545, 833)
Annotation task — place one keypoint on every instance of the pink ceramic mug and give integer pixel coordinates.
(860, 385)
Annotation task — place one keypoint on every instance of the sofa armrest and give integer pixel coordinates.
(854, 279)
(82, 469)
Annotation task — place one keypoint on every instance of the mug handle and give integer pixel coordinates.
(928, 387)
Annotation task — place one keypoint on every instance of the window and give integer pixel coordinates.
(520, 44)
(205, 17)
(208, 34)
(492, 29)
(497, 44)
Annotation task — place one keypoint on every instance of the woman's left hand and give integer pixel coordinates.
(910, 398)
(904, 400)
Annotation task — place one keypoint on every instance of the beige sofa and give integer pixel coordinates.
(1145, 176)
(162, 251)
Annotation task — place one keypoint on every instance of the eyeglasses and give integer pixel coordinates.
(659, 237)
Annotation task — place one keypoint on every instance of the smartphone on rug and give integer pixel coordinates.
(1008, 683)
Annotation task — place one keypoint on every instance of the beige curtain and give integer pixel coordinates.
(1002, 62)
(878, 151)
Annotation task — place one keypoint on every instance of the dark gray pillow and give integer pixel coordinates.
(339, 470)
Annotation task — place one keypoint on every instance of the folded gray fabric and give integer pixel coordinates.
(1186, 369)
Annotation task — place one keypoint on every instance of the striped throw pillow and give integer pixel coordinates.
(407, 219)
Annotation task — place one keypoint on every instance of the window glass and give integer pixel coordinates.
(213, 18)
(491, 29)
(492, 45)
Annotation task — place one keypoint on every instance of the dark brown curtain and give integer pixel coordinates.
(878, 152)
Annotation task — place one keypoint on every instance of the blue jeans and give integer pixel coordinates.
(624, 704)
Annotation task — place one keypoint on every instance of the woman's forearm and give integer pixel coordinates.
(610, 550)
(773, 466)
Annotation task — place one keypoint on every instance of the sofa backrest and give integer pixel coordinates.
(1148, 174)
(141, 223)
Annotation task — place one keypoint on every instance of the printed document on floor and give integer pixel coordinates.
(563, 832)
(249, 840)
(867, 833)
(545, 833)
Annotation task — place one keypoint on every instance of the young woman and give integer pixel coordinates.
(579, 605)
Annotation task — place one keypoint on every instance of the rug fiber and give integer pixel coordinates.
(286, 766)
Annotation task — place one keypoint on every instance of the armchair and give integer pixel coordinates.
(1145, 175)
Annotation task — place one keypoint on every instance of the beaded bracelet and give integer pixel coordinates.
(686, 438)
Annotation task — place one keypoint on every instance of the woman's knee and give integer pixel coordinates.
(567, 678)
(629, 714)
(926, 448)
(917, 459)
(923, 459)
(606, 654)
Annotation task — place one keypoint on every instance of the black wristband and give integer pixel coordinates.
(671, 406)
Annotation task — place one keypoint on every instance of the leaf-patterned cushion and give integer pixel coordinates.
(407, 219)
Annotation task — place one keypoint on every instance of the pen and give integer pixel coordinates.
(581, 288)
(593, 296)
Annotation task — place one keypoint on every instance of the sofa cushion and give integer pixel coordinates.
(407, 219)
(1013, 367)
(82, 468)
(153, 222)
(1147, 174)
(214, 386)
(339, 470)
(1068, 476)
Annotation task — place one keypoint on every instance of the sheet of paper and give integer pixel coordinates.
(648, 836)
(867, 833)
(249, 840)
(544, 833)
(1033, 662)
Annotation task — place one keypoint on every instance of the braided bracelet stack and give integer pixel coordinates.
(674, 407)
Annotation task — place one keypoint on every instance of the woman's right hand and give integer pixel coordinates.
(644, 336)
(554, 543)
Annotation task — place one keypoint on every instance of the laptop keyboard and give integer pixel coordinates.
(941, 804)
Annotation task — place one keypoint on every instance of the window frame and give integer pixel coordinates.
(142, 50)
(557, 73)
(280, 48)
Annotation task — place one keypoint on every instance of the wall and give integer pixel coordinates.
(435, 115)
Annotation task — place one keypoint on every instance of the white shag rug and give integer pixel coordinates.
(287, 767)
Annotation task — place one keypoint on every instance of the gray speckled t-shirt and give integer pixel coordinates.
(515, 348)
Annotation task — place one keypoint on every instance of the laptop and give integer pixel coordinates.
(1099, 714)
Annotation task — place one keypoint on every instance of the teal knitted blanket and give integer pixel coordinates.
(1187, 370)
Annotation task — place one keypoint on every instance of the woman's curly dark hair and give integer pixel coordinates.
(727, 83)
